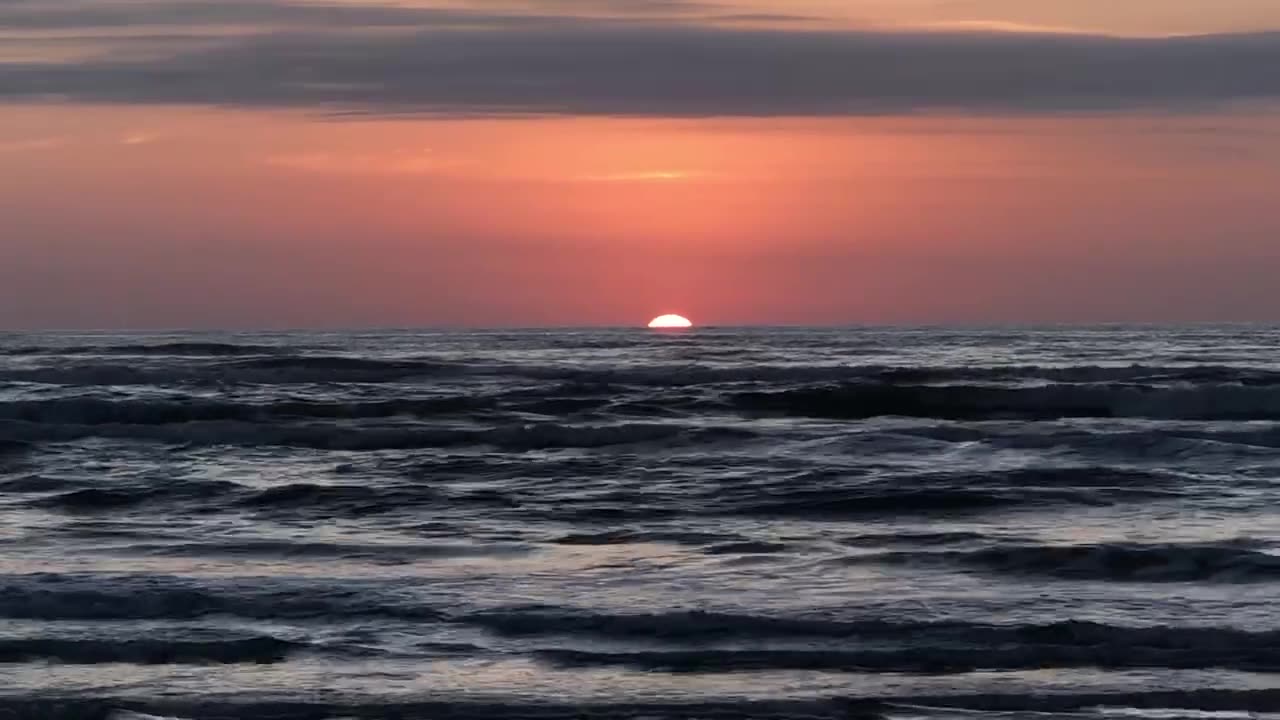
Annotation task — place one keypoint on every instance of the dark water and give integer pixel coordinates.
(714, 524)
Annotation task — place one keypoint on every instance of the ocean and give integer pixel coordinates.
(724, 523)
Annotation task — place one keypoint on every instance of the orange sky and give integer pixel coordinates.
(150, 212)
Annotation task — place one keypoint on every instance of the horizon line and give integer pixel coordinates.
(641, 327)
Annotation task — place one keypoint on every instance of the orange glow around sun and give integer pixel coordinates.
(670, 321)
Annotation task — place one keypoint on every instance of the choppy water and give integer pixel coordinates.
(712, 524)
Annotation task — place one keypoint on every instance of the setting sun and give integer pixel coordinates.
(670, 321)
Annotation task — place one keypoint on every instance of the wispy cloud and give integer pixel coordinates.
(646, 176)
(1003, 26)
(30, 145)
(401, 162)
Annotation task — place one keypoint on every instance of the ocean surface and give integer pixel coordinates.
(721, 523)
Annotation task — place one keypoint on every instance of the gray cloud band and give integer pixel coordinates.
(459, 63)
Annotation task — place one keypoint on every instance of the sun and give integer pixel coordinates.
(667, 322)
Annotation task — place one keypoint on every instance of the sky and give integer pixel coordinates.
(383, 163)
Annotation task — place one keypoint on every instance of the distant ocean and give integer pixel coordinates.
(720, 523)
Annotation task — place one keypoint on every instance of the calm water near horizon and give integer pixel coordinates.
(719, 523)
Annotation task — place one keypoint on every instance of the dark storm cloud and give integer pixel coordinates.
(475, 63)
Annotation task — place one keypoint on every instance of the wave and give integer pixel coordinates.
(749, 547)
(1183, 444)
(333, 436)
(148, 597)
(698, 628)
(908, 501)
(931, 661)
(671, 375)
(626, 537)
(294, 499)
(546, 436)
(313, 708)
(283, 370)
(336, 363)
(1161, 703)
(820, 496)
(371, 552)
(147, 651)
(905, 645)
(10, 448)
(349, 498)
(810, 496)
(561, 406)
(1083, 374)
(152, 411)
(1051, 402)
(1165, 704)
(36, 484)
(96, 411)
(93, 499)
(1203, 562)
(176, 349)
(274, 366)
(914, 538)
(289, 500)
(691, 626)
